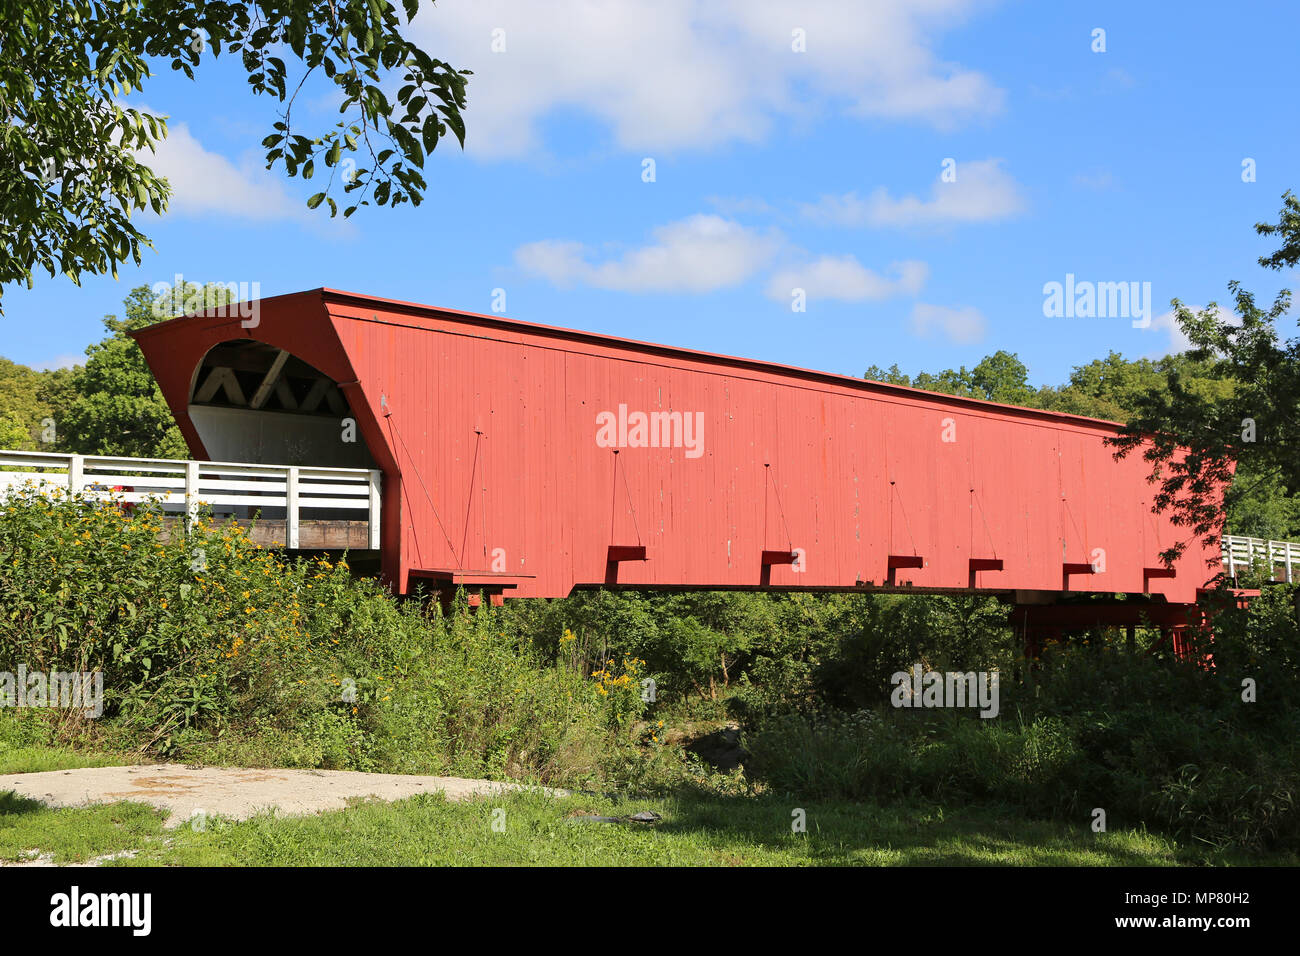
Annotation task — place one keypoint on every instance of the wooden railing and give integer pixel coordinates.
(293, 493)
(1243, 553)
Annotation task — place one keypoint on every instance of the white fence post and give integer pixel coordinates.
(291, 509)
(76, 473)
(191, 494)
(372, 514)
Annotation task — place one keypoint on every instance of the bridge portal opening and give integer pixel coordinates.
(252, 402)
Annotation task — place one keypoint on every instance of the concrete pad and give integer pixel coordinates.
(237, 793)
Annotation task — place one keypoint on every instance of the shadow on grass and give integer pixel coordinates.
(11, 804)
(907, 835)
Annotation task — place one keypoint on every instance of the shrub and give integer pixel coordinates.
(1154, 742)
(214, 649)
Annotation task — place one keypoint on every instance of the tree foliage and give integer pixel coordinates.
(28, 399)
(117, 407)
(1196, 435)
(1000, 377)
(74, 154)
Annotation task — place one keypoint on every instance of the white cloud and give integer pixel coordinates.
(706, 252)
(671, 74)
(698, 254)
(846, 279)
(982, 192)
(962, 326)
(208, 184)
(59, 361)
(1166, 324)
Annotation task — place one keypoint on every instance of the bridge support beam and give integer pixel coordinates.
(1186, 628)
(1041, 624)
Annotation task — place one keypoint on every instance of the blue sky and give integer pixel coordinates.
(774, 170)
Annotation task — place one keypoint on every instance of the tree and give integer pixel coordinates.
(1199, 434)
(1000, 377)
(28, 399)
(21, 410)
(13, 434)
(117, 408)
(1288, 227)
(892, 375)
(1113, 388)
(72, 171)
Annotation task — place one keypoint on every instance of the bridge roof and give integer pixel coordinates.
(416, 309)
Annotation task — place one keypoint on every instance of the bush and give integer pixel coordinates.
(698, 648)
(1153, 742)
(214, 649)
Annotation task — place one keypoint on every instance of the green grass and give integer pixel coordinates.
(37, 758)
(542, 831)
(29, 828)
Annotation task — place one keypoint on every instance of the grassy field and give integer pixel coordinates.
(702, 825)
(538, 830)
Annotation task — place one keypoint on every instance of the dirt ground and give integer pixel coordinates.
(232, 792)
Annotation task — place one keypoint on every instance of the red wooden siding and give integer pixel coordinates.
(488, 440)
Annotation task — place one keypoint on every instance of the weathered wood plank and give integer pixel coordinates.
(313, 535)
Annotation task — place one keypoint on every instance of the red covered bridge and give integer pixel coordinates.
(526, 460)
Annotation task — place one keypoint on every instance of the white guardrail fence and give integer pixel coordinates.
(290, 493)
(1243, 553)
(294, 493)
